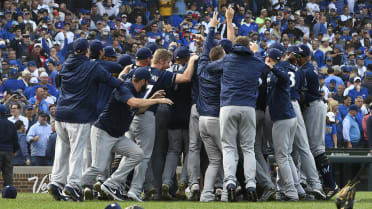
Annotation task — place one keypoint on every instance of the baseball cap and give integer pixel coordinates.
(152, 46)
(37, 45)
(329, 59)
(143, 73)
(331, 116)
(80, 45)
(274, 53)
(13, 72)
(357, 78)
(181, 53)
(226, 45)
(354, 107)
(44, 74)
(59, 25)
(43, 114)
(109, 51)
(143, 53)
(293, 49)
(95, 47)
(13, 62)
(31, 63)
(2, 108)
(113, 206)
(278, 46)
(125, 60)
(9, 192)
(34, 80)
(29, 107)
(360, 57)
(304, 50)
(124, 15)
(84, 21)
(332, 81)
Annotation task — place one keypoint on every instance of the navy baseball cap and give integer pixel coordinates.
(9, 192)
(143, 73)
(84, 21)
(354, 107)
(95, 47)
(227, 45)
(293, 49)
(304, 50)
(80, 45)
(113, 206)
(277, 45)
(143, 53)
(152, 46)
(2, 108)
(332, 81)
(329, 59)
(181, 53)
(274, 53)
(59, 25)
(29, 107)
(125, 60)
(110, 51)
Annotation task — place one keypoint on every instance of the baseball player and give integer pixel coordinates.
(142, 129)
(75, 111)
(301, 144)
(315, 117)
(208, 106)
(284, 122)
(107, 133)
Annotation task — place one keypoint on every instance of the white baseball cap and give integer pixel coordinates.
(34, 80)
(331, 116)
(44, 74)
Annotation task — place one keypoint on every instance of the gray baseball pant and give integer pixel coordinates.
(262, 168)
(315, 120)
(102, 146)
(283, 136)
(301, 147)
(142, 131)
(177, 139)
(195, 144)
(238, 123)
(70, 145)
(209, 128)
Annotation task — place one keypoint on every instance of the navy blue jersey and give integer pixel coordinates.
(240, 78)
(180, 94)
(117, 114)
(104, 91)
(262, 93)
(162, 81)
(208, 103)
(311, 85)
(279, 99)
(296, 78)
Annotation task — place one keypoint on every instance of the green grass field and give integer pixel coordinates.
(45, 201)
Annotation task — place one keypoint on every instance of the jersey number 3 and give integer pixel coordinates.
(292, 79)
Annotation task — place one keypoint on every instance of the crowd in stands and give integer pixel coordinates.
(36, 36)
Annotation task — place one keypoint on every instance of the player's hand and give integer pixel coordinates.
(253, 47)
(158, 95)
(268, 63)
(229, 13)
(28, 162)
(215, 20)
(125, 70)
(194, 57)
(165, 101)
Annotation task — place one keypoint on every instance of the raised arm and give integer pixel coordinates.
(229, 18)
(187, 75)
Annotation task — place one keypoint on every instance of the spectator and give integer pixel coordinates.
(16, 115)
(333, 107)
(360, 66)
(358, 90)
(332, 76)
(351, 131)
(331, 131)
(22, 156)
(8, 146)
(38, 138)
(247, 26)
(12, 84)
(339, 96)
(367, 83)
(344, 108)
(38, 100)
(31, 116)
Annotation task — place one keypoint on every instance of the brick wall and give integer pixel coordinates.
(30, 179)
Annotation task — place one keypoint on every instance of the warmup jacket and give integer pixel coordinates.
(8, 136)
(79, 86)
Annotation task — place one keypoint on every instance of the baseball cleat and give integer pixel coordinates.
(332, 193)
(318, 194)
(75, 194)
(194, 192)
(114, 193)
(55, 191)
(134, 197)
(231, 195)
(180, 194)
(88, 193)
(268, 194)
(251, 194)
(165, 192)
